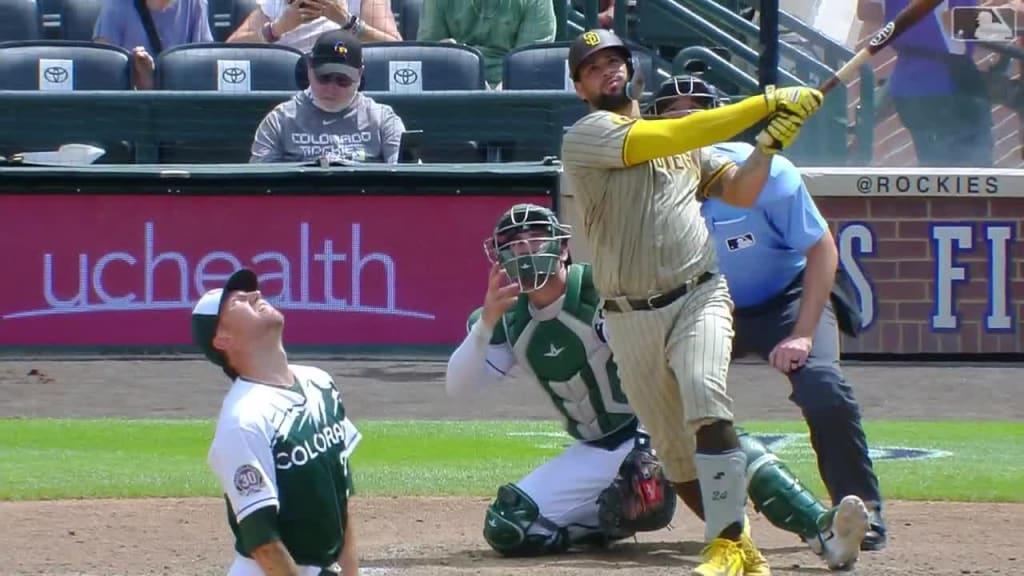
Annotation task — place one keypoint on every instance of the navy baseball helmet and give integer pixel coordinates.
(703, 93)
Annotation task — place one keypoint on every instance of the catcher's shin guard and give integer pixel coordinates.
(777, 493)
(509, 519)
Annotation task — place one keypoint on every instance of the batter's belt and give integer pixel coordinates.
(655, 301)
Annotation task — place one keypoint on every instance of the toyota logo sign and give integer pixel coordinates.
(233, 75)
(405, 76)
(56, 75)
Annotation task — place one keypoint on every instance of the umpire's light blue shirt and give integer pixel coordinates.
(761, 249)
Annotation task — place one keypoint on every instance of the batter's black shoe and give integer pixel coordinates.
(877, 536)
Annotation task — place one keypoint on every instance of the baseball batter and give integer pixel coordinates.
(282, 444)
(780, 262)
(668, 311)
(549, 323)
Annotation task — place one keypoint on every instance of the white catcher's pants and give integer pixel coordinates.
(566, 487)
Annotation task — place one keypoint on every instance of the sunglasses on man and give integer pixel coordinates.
(334, 78)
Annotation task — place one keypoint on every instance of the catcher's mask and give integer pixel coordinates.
(702, 94)
(529, 243)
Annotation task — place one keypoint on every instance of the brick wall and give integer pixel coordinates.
(896, 244)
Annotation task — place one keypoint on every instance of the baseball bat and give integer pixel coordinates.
(892, 30)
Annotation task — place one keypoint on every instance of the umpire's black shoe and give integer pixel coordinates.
(877, 535)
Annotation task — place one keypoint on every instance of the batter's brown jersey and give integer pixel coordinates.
(643, 222)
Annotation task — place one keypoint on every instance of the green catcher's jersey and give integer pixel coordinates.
(565, 349)
(288, 448)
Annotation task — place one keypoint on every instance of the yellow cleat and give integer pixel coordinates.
(721, 557)
(754, 563)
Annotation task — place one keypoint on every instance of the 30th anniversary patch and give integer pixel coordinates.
(248, 480)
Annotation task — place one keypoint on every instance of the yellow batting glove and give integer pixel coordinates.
(779, 133)
(798, 100)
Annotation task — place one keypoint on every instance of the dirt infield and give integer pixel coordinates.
(420, 536)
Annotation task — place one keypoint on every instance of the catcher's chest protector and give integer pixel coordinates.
(568, 355)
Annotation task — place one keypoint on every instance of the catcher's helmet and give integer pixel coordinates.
(528, 242)
(596, 40)
(706, 95)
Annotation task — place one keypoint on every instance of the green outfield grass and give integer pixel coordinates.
(46, 459)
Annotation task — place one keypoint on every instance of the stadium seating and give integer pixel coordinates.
(227, 67)
(50, 16)
(537, 67)
(545, 67)
(227, 15)
(78, 18)
(408, 18)
(19, 20)
(63, 65)
(405, 67)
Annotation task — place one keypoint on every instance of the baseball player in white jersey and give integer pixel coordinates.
(282, 445)
(607, 484)
(668, 311)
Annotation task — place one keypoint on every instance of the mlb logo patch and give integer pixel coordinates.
(740, 242)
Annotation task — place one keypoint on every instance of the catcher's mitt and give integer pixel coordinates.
(640, 499)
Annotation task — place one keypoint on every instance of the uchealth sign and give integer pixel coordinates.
(126, 270)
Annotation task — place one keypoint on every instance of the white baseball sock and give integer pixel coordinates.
(723, 486)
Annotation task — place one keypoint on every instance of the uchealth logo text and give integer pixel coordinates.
(321, 441)
(82, 286)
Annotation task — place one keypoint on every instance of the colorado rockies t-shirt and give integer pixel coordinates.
(286, 448)
(297, 131)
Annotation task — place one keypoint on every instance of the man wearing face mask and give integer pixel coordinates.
(331, 119)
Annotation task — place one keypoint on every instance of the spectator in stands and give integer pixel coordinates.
(605, 12)
(331, 119)
(164, 24)
(298, 23)
(940, 95)
(494, 27)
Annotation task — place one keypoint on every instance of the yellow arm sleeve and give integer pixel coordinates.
(650, 139)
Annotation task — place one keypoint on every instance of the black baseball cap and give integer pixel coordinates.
(206, 315)
(338, 52)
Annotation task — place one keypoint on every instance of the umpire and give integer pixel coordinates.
(781, 265)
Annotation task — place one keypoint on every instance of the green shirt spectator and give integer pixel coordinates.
(492, 26)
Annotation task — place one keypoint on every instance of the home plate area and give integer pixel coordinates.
(421, 536)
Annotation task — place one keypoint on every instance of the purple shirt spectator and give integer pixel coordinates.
(181, 22)
(918, 75)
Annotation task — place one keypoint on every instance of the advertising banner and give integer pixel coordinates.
(345, 270)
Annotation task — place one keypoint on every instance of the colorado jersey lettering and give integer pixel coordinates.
(287, 448)
(297, 130)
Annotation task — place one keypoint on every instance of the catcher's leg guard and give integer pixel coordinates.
(507, 524)
(778, 494)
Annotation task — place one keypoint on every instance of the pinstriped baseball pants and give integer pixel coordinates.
(673, 364)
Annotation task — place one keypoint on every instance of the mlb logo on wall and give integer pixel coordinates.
(740, 242)
(990, 24)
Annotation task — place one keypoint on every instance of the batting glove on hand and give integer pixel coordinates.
(800, 101)
(779, 133)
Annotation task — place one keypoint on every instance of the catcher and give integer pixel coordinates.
(608, 485)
